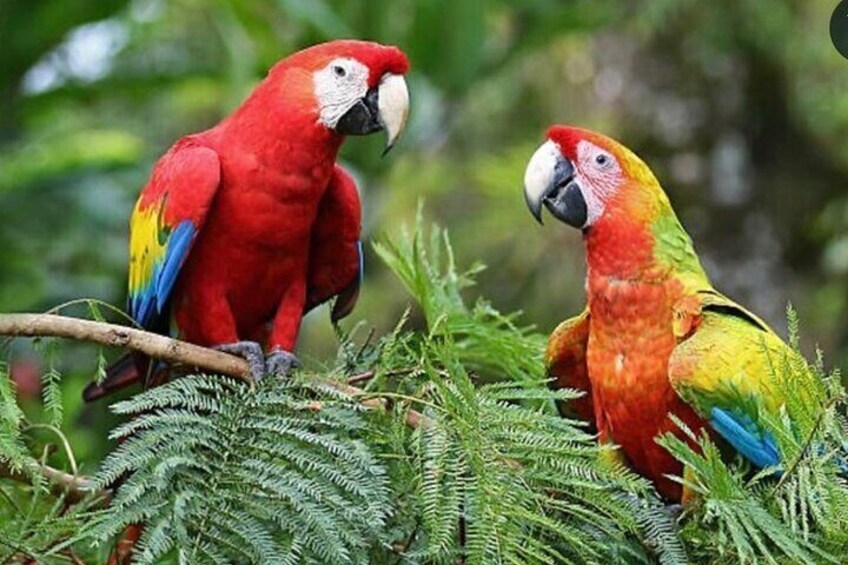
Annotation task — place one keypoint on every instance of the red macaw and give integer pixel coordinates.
(655, 338)
(246, 226)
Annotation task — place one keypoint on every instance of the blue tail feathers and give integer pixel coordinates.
(740, 431)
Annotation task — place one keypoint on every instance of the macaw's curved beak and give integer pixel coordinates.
(384, 107)
(550, 180)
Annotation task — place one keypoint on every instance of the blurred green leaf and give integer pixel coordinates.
(68, 154)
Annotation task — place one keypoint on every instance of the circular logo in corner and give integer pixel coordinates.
(839, 28)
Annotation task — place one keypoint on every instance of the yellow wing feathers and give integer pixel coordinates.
(147, 247)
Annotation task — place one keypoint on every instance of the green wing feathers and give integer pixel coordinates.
(732, 369)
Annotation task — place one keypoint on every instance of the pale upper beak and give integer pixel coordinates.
(393, 106)
(549, 180)
(539, 177)
(384, 107)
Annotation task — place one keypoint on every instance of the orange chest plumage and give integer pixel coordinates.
(631, 301)
(631, 338)
(630, 342)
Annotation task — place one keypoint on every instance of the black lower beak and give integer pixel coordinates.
(565, 200)
(363, 118)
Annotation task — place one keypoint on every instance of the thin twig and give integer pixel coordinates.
(400, 549)
(376, 401)
(360, 378)
(73, 487)
(809, 441)
(368, 375)
(75, 559)
(65, 443)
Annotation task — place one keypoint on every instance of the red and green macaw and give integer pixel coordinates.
(245, 227)
(655, 337)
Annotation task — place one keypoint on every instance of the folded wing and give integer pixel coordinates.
(335, 258)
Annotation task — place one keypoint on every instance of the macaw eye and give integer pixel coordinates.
(339, 71)
(601, 159)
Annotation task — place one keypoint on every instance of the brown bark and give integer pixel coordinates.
(154, 345)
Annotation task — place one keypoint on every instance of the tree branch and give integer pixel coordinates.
(413, 418)
(74, 487)
(153, 345)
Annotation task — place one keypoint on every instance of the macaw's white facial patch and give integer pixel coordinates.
(599, 175)
(338, 86)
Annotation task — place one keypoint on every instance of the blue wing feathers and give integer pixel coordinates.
(760, 448)
(152, 299)
(740, 431)
(144, 307)
(178, 247)
(361, 261)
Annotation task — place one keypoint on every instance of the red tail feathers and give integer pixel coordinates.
(120, 374)
(122, 553)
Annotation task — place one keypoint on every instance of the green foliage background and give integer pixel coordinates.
(738, 105)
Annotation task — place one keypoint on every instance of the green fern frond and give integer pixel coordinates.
(220, 472)
(487, 341)
(13, 451)
(51, 381)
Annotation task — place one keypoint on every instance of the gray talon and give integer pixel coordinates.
(251, 352)
(674, 511)
(280, 363)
